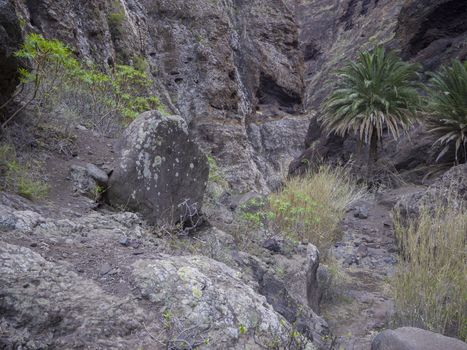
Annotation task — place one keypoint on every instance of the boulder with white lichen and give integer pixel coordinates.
(160, 172)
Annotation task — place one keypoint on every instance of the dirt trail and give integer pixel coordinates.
(367, 257)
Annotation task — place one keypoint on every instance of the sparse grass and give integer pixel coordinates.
(311, 207)
(31, 189)
(431, 282)
(18, 178)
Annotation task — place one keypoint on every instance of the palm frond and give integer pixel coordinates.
(375, 92)
(447, 108)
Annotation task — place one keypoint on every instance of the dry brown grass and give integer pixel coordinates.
(311, 207)
(430, 285)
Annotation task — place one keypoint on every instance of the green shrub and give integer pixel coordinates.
(311, 207)
(431, 281)
(58, 81)
(447, 108)
(115, 21)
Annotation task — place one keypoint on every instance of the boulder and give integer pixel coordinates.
(10, 40)
(83, 183)
(160, 173)
(409, 338)
(45, 306)
(208, 300)
(452, 184)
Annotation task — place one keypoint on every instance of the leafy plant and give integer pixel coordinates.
(447, 108)
(431, 280)
(373, 93)
(58, 81)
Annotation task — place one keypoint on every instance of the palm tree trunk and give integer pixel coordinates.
(373, 153)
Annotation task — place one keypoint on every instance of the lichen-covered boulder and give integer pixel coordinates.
(206, 302)
(160, 173)
(409, 338)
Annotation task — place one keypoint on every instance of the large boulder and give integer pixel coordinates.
(409, 338)
(452, 186)
(10, 40)
(161, 172)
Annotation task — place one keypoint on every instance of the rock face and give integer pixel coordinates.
(451, 185)
(232, 69)
(408, 338)
(10, 40)
(161, 173)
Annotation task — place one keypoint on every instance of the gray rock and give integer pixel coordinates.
(83, 183)
(273, 244)
(451, 185)
(313, 291)
(361, 212)
(10, 40)
(277, 294)
(209, 296)
(409, 338)
(160, 173)
(97, 174)
(44, 306)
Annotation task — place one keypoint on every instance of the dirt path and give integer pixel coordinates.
(366, 255)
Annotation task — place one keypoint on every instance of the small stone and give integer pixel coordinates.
(124, 241)
(361, 213)
(34, 245)
(105, 269)
(272, 244)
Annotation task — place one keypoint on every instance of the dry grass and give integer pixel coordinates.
(311, 207)
(431, 282)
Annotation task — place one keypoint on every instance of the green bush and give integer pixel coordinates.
(447, 108)
(58, 81)
(115, 21)
(431, 281)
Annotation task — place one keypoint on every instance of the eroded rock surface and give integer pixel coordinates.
(409, 338)
(160, 173)
(10, 40)
(102, 281)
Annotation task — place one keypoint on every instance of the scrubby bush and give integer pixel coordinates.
(374, 93)
(447, 108)
(59, 82)
(311, 207)
(431, 281)
(307, 208)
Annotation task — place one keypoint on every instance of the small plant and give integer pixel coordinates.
(17, 178)
(115, 20)
(373, 93)
(431, 279)
(447, 108)
(31, 189)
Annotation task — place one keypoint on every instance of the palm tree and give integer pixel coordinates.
(447, 108)
(376, 92)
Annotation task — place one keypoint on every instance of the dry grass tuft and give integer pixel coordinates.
(311, 207)
(430, 285)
